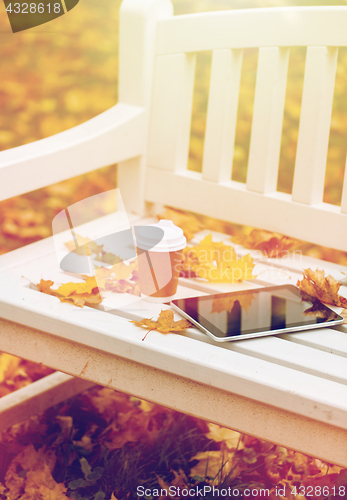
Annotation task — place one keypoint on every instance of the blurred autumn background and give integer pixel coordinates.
(61, 74)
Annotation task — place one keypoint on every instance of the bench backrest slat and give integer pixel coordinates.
(313, 140)
(267, 121)
(222, 114)
(238, 29)
(171, 111)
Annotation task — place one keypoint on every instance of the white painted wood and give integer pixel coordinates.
(328, 340)
(138, 22)
(242, 28)
(38, 396)
(274, 212)
(250, 377)
(173, 98)
(267, 120)
(112, 136)
(222, 115)
(137, 33)
(293, 358)
(183, 394)
(314, 126)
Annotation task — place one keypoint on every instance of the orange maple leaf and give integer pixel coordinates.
(270, 244)
(164, 324)
(323, 288)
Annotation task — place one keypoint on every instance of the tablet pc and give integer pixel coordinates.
(256, 313)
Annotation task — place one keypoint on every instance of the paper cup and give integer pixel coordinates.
(159, 261)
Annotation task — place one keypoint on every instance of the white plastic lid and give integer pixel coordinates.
(173, 239)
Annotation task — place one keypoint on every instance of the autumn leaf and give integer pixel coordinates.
(80, 288)
(189, 223)
(37, 482)
(226, 303)
(164, 324)
(232, 439)
(343, 313)
(216, 261)
(323, 288)
(79, 294)
(270, 244)
(216, 465)
(85, 246)
(179, 482)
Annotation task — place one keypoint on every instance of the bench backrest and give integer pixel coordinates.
(156, 78)
(301, 214)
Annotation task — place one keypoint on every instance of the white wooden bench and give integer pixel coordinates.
(290, 389)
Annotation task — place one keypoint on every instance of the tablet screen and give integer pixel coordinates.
(269, 309)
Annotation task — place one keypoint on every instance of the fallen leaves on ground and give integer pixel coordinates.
(216, 261)
(324, 288)
(16, 373)
(270, 244)
(216, 465)
(29, 476)
(74, 449)
(220, 304)
(164, 324)
(186, 221)
(231, 439)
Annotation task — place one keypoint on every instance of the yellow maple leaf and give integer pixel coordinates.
(8, 365)
(164, 324)
(85, 246)
(216, 261)
(79, 294)
(70, 288)
(216, 465)
(229, 437)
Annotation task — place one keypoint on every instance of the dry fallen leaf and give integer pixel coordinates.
(343, 313)
(180, 482)
(216, 465)
(79, 294)
(37, 482)
(188, 222)
(215, 261)
(85, 246)
(270, 244)
(232, 439)
(323, 288)
(164, 324)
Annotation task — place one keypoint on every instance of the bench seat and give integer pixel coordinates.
(290, 389)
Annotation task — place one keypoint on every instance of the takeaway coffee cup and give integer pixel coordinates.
(159, 261)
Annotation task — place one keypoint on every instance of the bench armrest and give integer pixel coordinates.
(113, 136)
